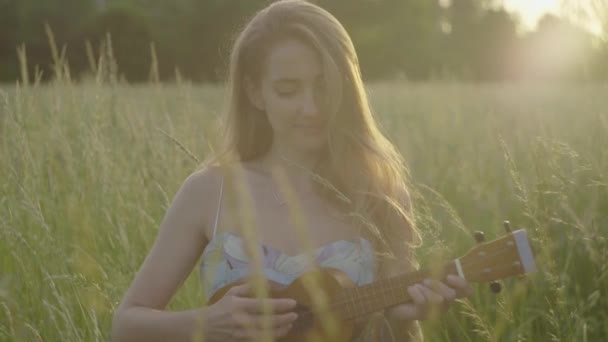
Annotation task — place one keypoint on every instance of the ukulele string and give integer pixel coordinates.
(384, 290)
(306, 314)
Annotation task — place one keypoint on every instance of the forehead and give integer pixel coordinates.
(292, 59)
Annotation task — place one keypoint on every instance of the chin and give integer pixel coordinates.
(312, 143)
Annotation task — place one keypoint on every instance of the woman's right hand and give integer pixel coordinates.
(239, 317)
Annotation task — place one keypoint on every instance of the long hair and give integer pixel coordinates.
(361, 171)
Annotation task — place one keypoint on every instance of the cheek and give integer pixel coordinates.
(281, 113)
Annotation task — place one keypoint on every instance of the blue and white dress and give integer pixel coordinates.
(225, 260)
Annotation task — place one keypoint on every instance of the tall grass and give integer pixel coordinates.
(88, 169)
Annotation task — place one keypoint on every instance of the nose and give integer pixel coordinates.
(310, 107)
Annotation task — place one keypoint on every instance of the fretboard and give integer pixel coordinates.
(359, 301)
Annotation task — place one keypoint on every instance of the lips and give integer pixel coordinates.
(311, 126)
(311, 129)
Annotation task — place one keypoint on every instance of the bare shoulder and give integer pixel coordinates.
(201, 190)
(203, 180)
(179, 244)
(211, 175)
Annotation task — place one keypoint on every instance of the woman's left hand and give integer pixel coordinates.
(429, 298)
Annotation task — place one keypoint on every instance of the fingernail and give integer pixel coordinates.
(294, 316)
(292, 302)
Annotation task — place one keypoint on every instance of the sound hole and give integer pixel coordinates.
(305, 319)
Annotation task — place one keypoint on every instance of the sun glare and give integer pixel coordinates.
(531, 11)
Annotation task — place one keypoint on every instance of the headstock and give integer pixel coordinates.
(507, 256)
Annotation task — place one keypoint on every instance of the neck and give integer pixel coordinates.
(299, 165)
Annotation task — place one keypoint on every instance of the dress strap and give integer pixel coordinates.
(219, 207)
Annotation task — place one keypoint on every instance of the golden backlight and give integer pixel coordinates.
(530, 11)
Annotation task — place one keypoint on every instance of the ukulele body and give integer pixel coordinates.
(313, 323)
(501, 258)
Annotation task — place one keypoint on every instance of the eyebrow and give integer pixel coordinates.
(286, 80)
(294, 80)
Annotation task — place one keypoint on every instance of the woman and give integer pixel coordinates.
(299, 134)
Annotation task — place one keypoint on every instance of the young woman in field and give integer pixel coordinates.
(299, 134)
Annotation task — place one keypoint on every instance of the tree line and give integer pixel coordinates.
(412, 39)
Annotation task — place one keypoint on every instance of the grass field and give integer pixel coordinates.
(87, 172)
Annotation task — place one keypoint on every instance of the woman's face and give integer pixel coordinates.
(289, 91)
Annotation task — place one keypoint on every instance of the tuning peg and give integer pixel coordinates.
(507, 226)
(495, 287)
(479, 236)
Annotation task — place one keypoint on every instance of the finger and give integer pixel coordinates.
(244, 325)
(463, 288)
(243, 290)
(448, 293)
(283, 331)
(404, 312)
(416, 294)
(262, 335)
(431, 296)
(276, 321)
(420, 309)
(252, 335)
(274, 305)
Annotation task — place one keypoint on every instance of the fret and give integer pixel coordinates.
(400, 285)
(345, 301)
(359, 306)
(391, 293)
(395, 288)
(398, 289)
(367, 304)
(373, 299)
(359, 301)
(367, 293)
(384, 295)
(379, 299)
(352, 302)
(363, 299)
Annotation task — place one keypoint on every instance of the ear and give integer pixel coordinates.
(254, 94)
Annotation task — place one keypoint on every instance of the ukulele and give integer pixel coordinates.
(328, 302)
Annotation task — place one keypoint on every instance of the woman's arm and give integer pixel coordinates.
(427, 296)
(139, 323)
(397, 329)
(179, 244)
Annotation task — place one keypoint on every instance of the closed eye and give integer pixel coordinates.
(287, 92)
(286, 88)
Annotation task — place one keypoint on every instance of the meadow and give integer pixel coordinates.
(88, 170)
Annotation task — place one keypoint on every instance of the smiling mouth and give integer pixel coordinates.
(312, 129)
(311, 126)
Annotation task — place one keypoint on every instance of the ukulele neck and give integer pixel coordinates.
(360, 301)
(504, 257)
